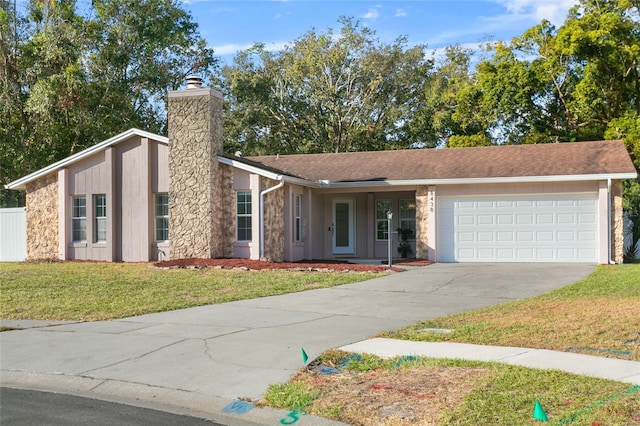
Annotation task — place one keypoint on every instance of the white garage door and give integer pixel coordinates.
(548, 228)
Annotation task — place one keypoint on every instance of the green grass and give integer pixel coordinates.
(508, 397)
(503, 395)
(99, 291)
(597, 316)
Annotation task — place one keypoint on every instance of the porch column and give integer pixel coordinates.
(617, 223)
(422, 218)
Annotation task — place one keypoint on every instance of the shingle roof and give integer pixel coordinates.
(561, 159)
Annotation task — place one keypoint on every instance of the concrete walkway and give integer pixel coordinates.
(594, 366)
(202, 360)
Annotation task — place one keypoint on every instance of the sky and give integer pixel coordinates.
(230, 26)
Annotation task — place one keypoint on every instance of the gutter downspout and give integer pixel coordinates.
(609, 228)
(261, 219)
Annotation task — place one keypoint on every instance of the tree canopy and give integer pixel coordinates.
(327, 92)
(75, 74)
(72, 75)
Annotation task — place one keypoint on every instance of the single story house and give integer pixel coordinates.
(141, 197)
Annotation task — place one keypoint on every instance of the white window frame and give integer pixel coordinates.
(244, 214)
(382, 222)
(297, 218)
(99, 218)
(79, 219)
(161, 217)
(404, 221)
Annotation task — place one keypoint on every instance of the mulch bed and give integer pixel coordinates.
(305, 265)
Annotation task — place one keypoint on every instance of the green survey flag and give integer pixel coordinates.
(538, 412)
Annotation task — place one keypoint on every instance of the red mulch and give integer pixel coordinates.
(335, 265)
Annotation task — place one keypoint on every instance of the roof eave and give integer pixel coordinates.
(487, 180)
(266, 173)
(326, 184)
(21, 183)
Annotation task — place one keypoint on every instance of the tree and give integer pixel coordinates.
(447, 93)
(564, 84)
(326, 93)
(74, 76)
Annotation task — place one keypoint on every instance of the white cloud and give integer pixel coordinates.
(371, 14)
(517, 14)
(554, 11)
(401, 13)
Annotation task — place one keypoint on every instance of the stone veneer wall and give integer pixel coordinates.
(195, 205)
(42, 218)
(422, 214)
(273, 222)
(617, 222)
(228, 194)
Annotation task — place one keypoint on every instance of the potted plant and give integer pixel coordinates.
(404, 248)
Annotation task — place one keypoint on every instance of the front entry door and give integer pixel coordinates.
(343, 237)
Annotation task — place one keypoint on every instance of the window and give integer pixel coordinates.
(162, 217)
(297, 218)
(382, 224)
(79, 219)
(100, 218)
(408, 216)
(243, 215)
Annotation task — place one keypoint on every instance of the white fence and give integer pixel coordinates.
(13, 234)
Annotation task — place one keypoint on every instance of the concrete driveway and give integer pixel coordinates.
(235, 350)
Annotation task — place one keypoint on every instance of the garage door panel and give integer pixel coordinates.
(466, 220)
(544, 219)
(545, 236)
(545, 254)
(566, 236)
(524, 219)
(524, 236)
(504, 219)
(566, 218)
(587, 218)
(505, 253)
(518, 228)
(586, 254)
(485, 219)
(466, 236)
(586, 236)
(525, 254)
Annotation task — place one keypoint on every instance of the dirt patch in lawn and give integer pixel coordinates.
(305, 265)
(419, 395)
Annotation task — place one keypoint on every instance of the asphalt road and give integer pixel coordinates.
(26, 407)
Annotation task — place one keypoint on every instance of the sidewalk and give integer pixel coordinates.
(594, 366)
(241, 413)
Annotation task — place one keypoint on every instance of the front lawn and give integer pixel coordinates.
(599, 315)
(367, 390)
(98, 291)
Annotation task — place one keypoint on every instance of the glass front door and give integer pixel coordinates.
(343, 236)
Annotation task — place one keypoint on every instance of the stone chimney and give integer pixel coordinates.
(194, 119)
